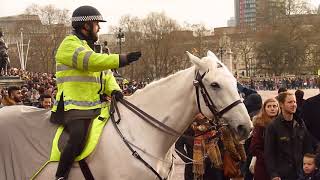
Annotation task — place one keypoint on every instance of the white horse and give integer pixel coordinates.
(171, 100)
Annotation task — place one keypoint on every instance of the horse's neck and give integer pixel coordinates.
(170, 100)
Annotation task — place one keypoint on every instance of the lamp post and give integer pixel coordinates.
(20, 46)
(224, 43)
(225, 51)
(220, 50)
(120, 37)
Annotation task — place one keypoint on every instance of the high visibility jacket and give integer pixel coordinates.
(82, 75)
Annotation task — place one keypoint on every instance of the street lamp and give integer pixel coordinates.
(224, 43)
(120, 37)
(220, 50)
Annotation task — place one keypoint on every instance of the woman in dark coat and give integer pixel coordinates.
(269, 111)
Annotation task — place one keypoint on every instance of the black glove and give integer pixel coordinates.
(117, 94)
(133, 56)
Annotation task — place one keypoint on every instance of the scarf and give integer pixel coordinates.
(233, 153)
(205, 144)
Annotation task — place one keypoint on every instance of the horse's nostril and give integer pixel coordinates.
(240, 128)
(243, 131)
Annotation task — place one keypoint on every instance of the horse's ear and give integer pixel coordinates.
(191, 56)
(210, 53)
(196, 61)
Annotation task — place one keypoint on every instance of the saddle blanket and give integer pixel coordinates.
(29, 141)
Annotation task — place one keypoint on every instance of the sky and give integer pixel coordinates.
(212, 13)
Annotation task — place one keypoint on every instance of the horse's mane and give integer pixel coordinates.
(156, 82)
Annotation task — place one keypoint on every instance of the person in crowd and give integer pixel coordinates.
(286, 141)
(205, 142)
(45, 101)
(310, 169)
(34, 98)
(194, 149)
(245, 91)
(1, 96)
(269, 111)
(281, 90)
(300, 101)
(105, 48)
(184, 148)
(13, 97)
(82, 76)
(253, 104)
(234, 154)
(310, 113)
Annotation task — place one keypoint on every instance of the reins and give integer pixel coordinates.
(129, 145)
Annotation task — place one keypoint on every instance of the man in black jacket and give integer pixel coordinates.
(286, 141)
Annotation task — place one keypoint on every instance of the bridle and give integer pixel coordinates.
(207, 99)
(160, 125)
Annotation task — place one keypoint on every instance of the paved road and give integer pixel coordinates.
(179, 169)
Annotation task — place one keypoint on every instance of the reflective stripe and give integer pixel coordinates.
(78, 79)
(75, 56)
(86, 60)
(62, 67)
(79, 103)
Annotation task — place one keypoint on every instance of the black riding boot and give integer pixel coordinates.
(77, 135)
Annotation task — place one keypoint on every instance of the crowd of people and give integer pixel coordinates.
(297, 82)
(40, 89)
(284, 144)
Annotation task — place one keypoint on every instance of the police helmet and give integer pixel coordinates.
(85, 14)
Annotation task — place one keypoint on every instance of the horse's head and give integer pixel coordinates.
(215, 80)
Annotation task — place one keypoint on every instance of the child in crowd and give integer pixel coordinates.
(310, 169)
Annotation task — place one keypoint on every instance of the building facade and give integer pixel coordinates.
(31, 42)
(256, 14)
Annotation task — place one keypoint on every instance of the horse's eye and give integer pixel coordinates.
(215, 85)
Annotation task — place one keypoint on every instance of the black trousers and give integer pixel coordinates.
(78, 130)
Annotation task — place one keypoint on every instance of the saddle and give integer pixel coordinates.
(60, 138)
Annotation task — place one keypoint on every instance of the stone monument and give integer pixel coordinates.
(225, 51)
(5, 79)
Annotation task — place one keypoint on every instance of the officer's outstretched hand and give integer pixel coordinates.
(133, 56)
(126, 59)
(117, 94)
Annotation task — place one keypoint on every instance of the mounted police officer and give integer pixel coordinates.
(83, 76)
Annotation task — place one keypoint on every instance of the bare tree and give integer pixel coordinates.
(200, 33)
(157, 29)
(284, 49)
(133, 42)
(244, 49)
(53, 30)
(49, 14)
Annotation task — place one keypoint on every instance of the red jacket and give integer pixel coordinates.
(257, 149)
